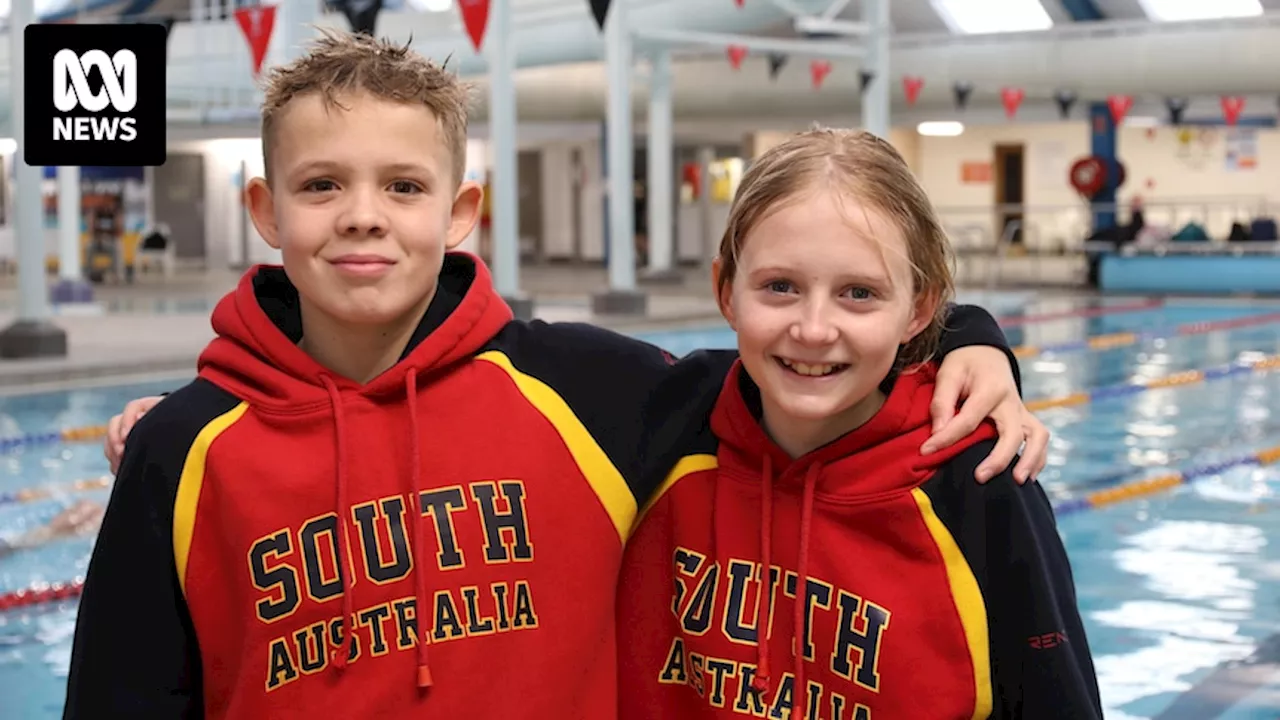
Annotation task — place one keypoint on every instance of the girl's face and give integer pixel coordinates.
(821, 300)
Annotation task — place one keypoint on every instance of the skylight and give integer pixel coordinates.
(971, 17)
(1177, 10)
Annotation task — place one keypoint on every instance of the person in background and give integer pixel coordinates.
(804, 560)
(84, 517)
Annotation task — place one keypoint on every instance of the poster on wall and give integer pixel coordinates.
(1241, 149)
(975, 172)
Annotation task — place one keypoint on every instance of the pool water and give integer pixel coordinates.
(1180, 591)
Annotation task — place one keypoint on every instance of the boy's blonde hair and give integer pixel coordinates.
(864, 167)
(339, 63)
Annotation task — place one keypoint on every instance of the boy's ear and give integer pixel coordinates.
(466, 213)
(724, 294)
(262, 210)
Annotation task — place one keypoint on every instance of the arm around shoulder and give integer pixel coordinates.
(1041, 664)
(135, 652)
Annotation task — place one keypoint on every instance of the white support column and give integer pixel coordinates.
(31, 334)
(706, 216)
(661, 173)
(71, 287)
(502, 139)
(622, 296)
(876, 100)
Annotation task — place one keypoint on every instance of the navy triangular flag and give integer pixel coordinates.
(1176, 107)
(864, 79)
(1065, 99)
(362, 14)
(600, 9)
(962, 90)
(777, 61)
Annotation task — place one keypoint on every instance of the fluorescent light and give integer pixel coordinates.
(940, 128)
(1142, 121)
(971, 17)
(1180, 10)
(8, 146)
(431, 5)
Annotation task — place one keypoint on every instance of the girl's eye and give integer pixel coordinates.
(779, 286)
(321, 186)
(404, 186)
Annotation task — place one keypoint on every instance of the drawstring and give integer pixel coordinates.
(764, 591)
(800, 695)
(344, 545)
(419, 537)
(344, 538)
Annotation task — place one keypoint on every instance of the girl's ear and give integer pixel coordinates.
(922, 313)
(724, 293)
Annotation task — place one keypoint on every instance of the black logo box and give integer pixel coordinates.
(41, 43)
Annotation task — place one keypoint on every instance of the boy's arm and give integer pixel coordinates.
(135, 651)
(1040, 662)
(970, 325)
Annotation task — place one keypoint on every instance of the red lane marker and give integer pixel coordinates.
(1013, 320)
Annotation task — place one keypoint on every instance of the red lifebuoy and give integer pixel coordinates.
(1088, 176)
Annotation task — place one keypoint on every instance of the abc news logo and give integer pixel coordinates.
(94, 95)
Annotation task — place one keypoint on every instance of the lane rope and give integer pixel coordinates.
(1115, 340)
(87, 433)
(1186, 377)
(1160, 483)
(43, 492)
(40, 594)
(1088, 312)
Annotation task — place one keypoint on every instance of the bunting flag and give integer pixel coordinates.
(736, 54)
(912, 86)
(739, 3)
(1065, 100)
(361, 14)
(256, 23)
(600, 9)
(1176, 107)
(1232, 108)
(777, 61)
(1012, 99)
(962, 90)
(475, 18)
(864, 79)
(1120, 105)
(819, 70)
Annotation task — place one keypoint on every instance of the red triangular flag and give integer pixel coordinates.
(475, 18)
(1012, 99)
(912, 86)
(819, 70)
(257, 22)
(1232, 108)
(1120, 105)
(736, 54)
(739, 3)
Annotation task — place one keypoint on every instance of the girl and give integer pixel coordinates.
(888, 584)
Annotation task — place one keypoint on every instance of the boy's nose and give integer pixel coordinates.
(363, 216)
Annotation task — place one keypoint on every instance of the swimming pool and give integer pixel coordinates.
(1180, 590)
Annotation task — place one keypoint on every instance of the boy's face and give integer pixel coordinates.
(362, 206)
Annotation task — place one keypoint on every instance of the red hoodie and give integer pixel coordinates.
(911, 571)
(482, 484)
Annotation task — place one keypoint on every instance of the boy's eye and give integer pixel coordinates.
(405, 186)
(861, 293)
(320, 186)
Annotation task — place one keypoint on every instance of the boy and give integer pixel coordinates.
(380, 495)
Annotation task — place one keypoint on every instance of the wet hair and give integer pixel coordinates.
(860, 166)
(340, 63)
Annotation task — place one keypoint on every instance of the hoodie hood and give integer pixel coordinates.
(256, 357)
(878, 460)
(259, 324)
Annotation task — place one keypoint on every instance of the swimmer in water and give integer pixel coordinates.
(82, 518)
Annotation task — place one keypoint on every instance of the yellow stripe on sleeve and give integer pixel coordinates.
(189, 484)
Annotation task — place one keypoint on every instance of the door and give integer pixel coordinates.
(1009, 190)
(178, 192)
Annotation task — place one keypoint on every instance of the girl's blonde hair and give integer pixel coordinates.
(864, 167)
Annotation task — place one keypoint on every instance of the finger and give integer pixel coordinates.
(946, 395)
(114, 435)
(1006, 448)
(969, 417)
(1035, 456)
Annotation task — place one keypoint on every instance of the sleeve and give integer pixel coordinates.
(969, 325)
(1040, 660)
(633, 398)
(135, 652)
